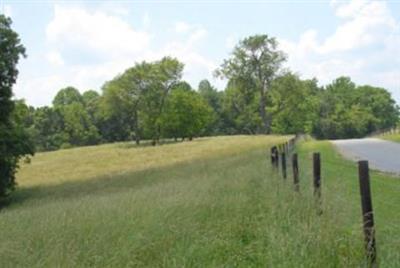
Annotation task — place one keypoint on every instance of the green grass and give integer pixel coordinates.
(213, 202)
(341, 198)
(394, 136)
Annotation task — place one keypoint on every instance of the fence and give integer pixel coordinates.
(280, 154)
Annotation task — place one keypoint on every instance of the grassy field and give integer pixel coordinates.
(212, 202)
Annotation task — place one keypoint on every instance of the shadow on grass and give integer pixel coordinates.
(112, 183)
(106, 184)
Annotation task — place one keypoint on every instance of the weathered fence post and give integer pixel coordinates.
(317, 181)
(276, 158)
(295, 167)
(283, 156)
(367, 213)
(273, 155)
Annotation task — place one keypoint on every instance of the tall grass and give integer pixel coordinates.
(211, 203)
(341, 199)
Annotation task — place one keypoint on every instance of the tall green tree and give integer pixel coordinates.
(48, 129)
(162, 76)
(15, 142)
(214, 98)
(380, 104)
(256, 58)
(240, 108)
(186, 114)
(294, 104)
(77, 125)
(67, 96)
(121, 105)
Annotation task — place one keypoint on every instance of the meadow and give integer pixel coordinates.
(211, 202)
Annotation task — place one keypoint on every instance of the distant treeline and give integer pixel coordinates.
(150, 101)
(338, 110)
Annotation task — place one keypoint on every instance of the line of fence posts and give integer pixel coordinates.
(287, 148)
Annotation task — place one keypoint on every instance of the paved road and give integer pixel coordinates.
(382, 155)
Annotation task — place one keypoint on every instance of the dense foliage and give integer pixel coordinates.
(150, 101)
(14, 139)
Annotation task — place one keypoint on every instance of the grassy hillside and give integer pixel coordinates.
(208, 203)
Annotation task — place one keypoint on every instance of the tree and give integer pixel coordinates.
(161, 77)
(78, 126)
(186, 114)
(381, 105)
(348, 111)
(294, 104)
(117, 110)
(67, 96)
(210, 94)
(91, 102)
(241, 108)
(258, 60)
(23, 114)
(48, 130)
(14, 140)
(214, 99)
(133, 102)
(121, 103)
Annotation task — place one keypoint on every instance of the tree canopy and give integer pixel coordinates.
(254, 64)
(15, 141)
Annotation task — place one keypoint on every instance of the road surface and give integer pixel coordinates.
(382, 155)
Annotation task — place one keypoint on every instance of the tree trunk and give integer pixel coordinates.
(190, 138)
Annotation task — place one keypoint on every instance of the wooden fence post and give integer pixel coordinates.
(273, 155)
(317, 181)
(367, 213)
(283, 156)
(295, 167)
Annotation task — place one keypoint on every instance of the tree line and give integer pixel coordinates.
(150, 101)
(126, 112)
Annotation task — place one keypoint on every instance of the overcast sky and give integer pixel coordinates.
(85, 43)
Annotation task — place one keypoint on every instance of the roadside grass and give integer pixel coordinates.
(341, 198)
(214, 202)
(390, 136)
